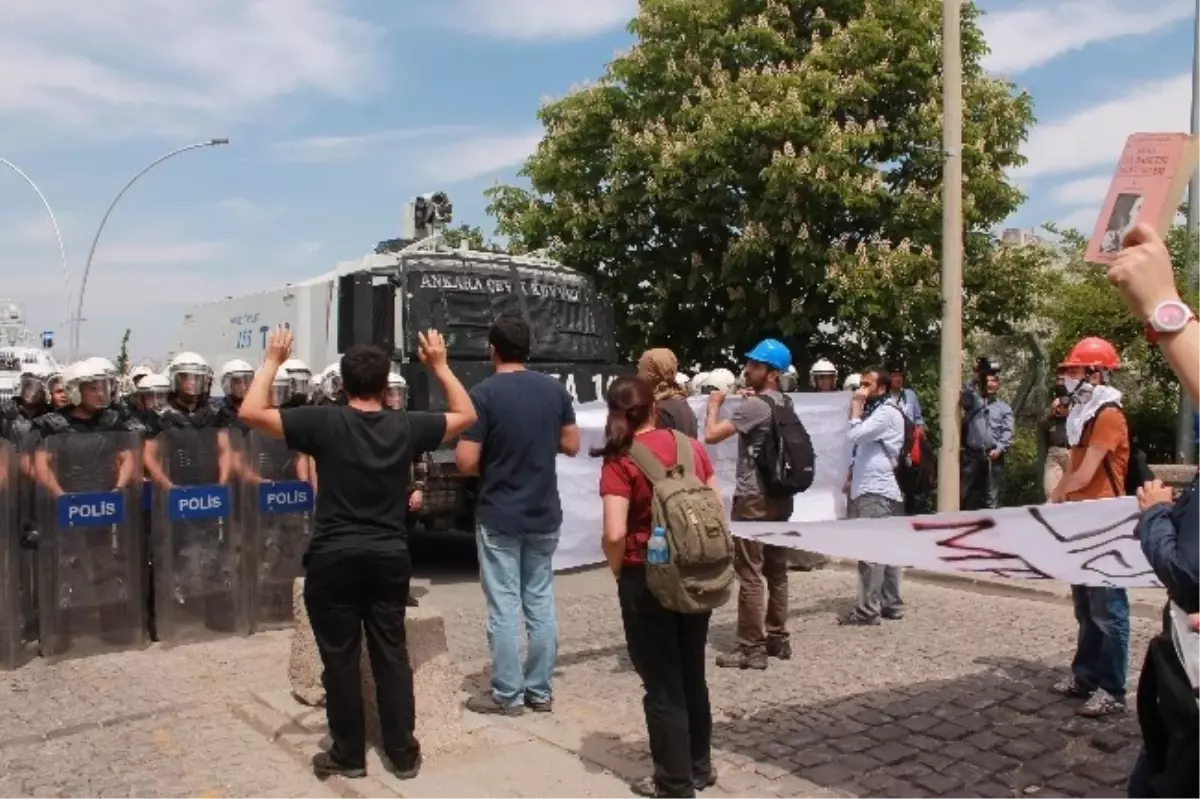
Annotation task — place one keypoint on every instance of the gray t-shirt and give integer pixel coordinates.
(752, 420)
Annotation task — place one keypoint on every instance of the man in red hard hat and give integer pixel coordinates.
(1098, 435)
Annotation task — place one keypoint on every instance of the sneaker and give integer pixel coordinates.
(892, 614)
(324, 766)
(856, 619)
(740, 659)
(1101, 703)
(539, 707)
(779, 648)
(1069, 686)
(486, 704)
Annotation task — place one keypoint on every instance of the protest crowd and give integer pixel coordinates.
(665, 533)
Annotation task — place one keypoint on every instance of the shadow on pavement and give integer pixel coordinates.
(998, 733)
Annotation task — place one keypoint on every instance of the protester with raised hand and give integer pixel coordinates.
(1169, 531)
(357, 568)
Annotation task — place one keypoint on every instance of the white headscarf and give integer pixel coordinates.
(1082, 412)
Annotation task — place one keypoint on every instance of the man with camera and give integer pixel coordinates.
(1053, 432)
(987, 434)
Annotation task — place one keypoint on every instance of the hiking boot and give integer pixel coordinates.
(892, 614)
(741, 659)
(1101, 703)
(1069, 686)
(779, 648)
(706, 781)
(486, 704)
(324, 765)
(856, 619)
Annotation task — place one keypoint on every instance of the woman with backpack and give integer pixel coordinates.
(667, 647)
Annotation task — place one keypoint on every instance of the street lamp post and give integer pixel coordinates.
(78, 317)
(62, 248)
(952, 256)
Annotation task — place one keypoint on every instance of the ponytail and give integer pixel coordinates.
(630, 404)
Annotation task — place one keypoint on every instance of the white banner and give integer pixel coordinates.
(1084, 543)
(824, 416)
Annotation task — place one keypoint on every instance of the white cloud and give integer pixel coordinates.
(148, 67)
(1094, 136)
(1083, 191)
(1082, 219)
(529, 20)
(341, 148)
(158, 254)
(1039, 31)
(477, 157)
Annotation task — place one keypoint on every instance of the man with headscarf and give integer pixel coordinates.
(658, 368)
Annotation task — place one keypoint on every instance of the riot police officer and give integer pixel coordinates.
(236, 376)
(95, 562)
(300, 378)
(17, 414)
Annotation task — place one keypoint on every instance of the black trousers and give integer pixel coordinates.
(668, 653)
(345, 593)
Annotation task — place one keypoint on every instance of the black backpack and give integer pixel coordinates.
(786, 460)
(1139, 471)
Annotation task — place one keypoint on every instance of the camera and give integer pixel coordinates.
(1060, 391)
(986, 366)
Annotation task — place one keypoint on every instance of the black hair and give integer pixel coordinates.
(881, 375)
(509, 337)
(365, 370)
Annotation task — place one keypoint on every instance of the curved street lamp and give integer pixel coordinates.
(87, 268)
(62, 248)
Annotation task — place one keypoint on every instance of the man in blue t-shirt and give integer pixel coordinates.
(525, 421)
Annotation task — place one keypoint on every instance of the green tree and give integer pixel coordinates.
(774, 166)
(474, 237)
(123, 357)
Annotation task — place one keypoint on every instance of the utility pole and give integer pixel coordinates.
(1185, 444)
(952, 256)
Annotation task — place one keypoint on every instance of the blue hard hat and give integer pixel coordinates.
(773, 352)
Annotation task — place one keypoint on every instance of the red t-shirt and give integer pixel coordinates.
(621, 477)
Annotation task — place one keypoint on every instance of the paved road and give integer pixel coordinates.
(951, 701)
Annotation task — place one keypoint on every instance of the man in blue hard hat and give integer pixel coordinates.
(762, 613)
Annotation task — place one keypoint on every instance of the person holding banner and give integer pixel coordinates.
(1099, 459)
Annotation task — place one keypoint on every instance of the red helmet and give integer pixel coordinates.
(1093, 353)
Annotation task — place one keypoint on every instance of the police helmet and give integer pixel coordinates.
(397, 391)
(190, 364)
(237, 369)
(718, 380)
(89, 380)
(300, 375)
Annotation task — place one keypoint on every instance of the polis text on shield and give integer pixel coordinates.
(198, 502)
(285, 497)
(91, 509)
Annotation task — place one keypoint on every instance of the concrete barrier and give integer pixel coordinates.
(436, 681)
(1177, 475)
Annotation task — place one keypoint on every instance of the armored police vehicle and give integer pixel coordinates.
(407, 286)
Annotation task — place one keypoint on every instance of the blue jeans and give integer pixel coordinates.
(517, 576)
(1102, 651)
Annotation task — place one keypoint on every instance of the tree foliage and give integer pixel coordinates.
(774, 166)
(122, 363)
(474, 237)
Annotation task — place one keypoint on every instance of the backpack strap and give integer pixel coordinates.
(652, 467)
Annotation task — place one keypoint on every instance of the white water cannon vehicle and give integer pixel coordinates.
(21, 351)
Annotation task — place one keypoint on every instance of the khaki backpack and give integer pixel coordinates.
(699, 572)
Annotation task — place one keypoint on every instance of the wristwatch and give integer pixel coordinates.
(1168, 317)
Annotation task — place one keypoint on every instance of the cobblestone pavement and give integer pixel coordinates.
(951, 701)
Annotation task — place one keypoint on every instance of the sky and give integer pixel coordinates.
(340, 111)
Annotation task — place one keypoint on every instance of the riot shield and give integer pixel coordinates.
(18, 632)
(277, 506)
(196, 537)
(89, 548)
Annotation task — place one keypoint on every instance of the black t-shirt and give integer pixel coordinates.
(364, 460)
(521, 416)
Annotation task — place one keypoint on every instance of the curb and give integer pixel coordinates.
(1015, 590)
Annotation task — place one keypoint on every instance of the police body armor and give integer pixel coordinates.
(89, 551)
(196, 530)
(277, 512)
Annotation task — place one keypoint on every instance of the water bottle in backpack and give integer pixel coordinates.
(656, 548)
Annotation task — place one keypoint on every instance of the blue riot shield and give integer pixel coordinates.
(277, 508)
(89, 548)
(18, 633)
(196, 537)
